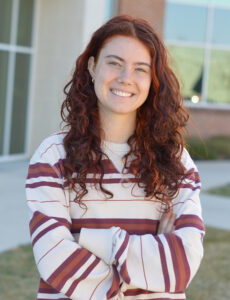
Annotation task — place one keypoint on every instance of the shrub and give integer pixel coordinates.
(217, 147)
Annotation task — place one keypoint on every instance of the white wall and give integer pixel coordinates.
(58, 35)
(62, 29)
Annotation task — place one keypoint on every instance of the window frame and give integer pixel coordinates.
(13, 49)
(207, 45)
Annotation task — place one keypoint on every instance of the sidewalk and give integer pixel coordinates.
(14, 229)
(14, 215)
(216, 209)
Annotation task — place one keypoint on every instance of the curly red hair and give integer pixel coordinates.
(157, 142)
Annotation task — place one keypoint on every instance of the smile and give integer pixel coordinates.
(121, 94)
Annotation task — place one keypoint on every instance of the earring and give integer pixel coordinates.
(93, 80)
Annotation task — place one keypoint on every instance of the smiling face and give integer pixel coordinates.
(122, 75)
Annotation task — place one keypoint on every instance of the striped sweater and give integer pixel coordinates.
(112, 249)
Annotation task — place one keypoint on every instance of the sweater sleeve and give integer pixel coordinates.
(164, 262)
(64, 265)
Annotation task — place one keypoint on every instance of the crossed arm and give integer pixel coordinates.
(94, 268)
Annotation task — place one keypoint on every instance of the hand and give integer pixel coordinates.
(166, 224)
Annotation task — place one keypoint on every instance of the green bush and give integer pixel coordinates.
(217, 147)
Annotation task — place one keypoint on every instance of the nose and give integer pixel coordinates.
(125, 76)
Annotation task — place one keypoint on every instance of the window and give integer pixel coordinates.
(16, 18)
(188, 65)
(185, 23)
(197, 37)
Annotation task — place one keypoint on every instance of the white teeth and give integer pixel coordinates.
(121, 94)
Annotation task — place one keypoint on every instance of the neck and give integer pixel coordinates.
(118, 128)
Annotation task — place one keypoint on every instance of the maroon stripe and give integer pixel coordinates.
(189, 216)
(174, 259)
(63, 222)
(180, 263)
(74, 270)
(41, 221)
(115, 221)
(113, 291)
(82, 277)
(190, 224)
(44, 231)
(163, 264)
(132, 226)
(185, 261)
(40, 165)
(193, 175)
(190, 186)
(189, 221)
(42, 174)
(123, 247)
(124, 272)
(136, 292)
(41, 169)
(48, 291)
(44, 183)
(44, 219)
(67, 262)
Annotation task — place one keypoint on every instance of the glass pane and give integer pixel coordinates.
(185, 22)
(219, 77)
(19, 103)
(220, 2)
(196, 1)
(3, 83)
(221, 27)
(25, 22)
(5, 20)
(187, 64)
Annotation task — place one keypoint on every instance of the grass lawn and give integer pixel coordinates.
(19, 278)
(222, 190)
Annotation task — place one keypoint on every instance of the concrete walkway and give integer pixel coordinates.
(14, 215)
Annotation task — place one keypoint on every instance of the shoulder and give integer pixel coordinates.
(186, 160)
(51, 149)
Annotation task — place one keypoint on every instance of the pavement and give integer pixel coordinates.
(14, 229)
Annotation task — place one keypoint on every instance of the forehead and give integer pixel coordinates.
(127, 48)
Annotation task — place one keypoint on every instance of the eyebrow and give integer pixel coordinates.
(122, 60)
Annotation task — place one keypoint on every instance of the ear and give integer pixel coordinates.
(91, 66)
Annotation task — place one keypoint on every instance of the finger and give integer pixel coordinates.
(164, 222)
(171, 222)
(169, 227)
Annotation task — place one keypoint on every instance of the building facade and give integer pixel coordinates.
(40, 41)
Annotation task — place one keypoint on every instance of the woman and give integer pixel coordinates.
(114, 201)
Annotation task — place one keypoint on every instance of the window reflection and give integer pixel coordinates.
(25, 22)
(5, 20)
(219, 77)
(20, 97)
(221, 27)
(185, 22)
(187, 64)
